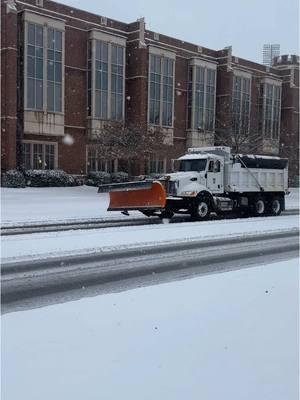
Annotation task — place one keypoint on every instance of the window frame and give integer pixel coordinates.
(193, 94)
(275, 109)
(46, 23)
(98, 159)
(110, 41)
(156, 160)
(168, 56)
(31, 143)
(242, 93)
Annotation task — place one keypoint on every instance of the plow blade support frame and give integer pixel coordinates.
(127, 186)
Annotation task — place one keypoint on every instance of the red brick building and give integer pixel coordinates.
(65, 72)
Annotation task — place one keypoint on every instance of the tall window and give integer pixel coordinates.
(161, 85)
(35, 57)
(270, 113)
(39, 155)
(54, 70)
(156, 166)
(241, 104)
(101, 75)
(42, 80)
(106, 80)
(116, 82)
(201, 98)
(155, 82)
(167, 111)
(95, 163)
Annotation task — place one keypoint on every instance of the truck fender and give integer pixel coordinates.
(207, 195)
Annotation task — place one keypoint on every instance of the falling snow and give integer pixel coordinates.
(68, 139)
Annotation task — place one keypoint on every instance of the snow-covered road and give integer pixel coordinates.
(57, 204)
(225, 336)
(53, 244)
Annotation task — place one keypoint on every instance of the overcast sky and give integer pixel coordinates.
(244, 24)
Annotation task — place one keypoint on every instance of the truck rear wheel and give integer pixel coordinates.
(275, 206)
(201, 209)
(259, 207)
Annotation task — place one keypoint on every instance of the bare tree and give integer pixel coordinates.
(133, 142)
(238, 135)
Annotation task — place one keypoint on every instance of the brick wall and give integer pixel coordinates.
(78, 24)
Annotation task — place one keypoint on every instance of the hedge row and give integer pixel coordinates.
(102, 178)
(47, 178)
(38, 178)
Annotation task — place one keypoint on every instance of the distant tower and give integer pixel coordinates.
(269, 52)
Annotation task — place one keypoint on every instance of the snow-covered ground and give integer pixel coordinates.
(53, 244)
(53, 204)
(225, 336)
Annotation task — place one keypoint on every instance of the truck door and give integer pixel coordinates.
(215, 181)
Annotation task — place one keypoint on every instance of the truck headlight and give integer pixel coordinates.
(190, 194)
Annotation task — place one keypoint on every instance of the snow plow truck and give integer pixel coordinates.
(208, 179)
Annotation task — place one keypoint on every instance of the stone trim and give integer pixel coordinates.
(242, 74)
(159, 51)
(42, 19)
(96, 34)
(199, 62)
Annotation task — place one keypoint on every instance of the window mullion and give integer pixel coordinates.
(31, 155)
(109, 82)
(161, 89)
(193, 96)
(263, 111)
(272, 115)
(241, 104)
(204, 100)
(93, 78)
(45, 63)
(43, 155)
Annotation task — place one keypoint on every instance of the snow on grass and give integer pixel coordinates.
(225, 336)
(53, 204)
(54, 244)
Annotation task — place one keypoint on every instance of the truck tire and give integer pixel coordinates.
(201, 209)
(259, 207)
(275, 207)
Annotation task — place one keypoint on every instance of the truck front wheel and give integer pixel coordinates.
(201, 209)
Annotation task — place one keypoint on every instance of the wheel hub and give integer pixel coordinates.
(202, 209)
(260, 207)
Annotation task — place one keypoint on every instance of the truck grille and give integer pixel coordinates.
(170, 188)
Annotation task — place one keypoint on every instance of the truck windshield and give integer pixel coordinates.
(192, 165)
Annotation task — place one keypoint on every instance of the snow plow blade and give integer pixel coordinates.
(147, 195)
